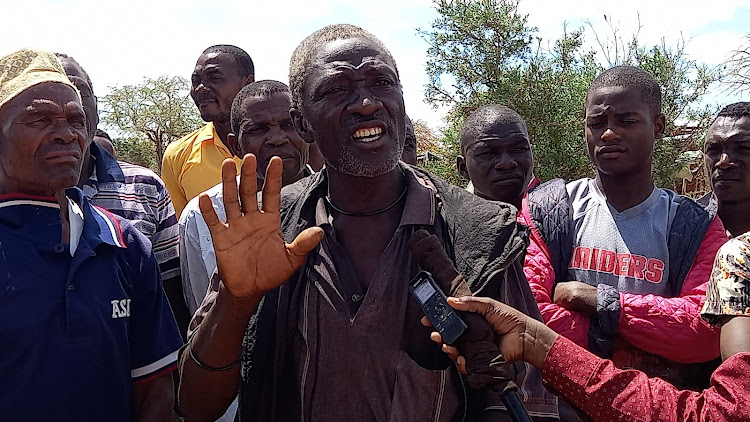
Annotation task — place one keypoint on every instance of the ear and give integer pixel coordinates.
(96, 110)
(461, 166)
(301, 125)
(659, 125)
(304, 155)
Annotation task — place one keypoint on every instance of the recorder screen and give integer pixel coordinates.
(424, 291)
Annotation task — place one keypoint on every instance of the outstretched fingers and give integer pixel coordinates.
(209, 214)
(229, 187)
(449, 350)
(249, 184)
(272, 186)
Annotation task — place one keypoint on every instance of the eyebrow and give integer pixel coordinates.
(44, 106)
(482, 143)
(514, 138)
(41, 105)
(74, 108)
(328, 79)
(207, 68)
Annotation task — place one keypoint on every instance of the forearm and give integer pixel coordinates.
(204, 394)
(539, 340)
(571, 324)
(734, 338)
(606, 393)
(541, 277)
(677, 319)
(153, 400)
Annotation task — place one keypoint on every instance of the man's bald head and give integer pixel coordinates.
(496, 154)
(485, 116)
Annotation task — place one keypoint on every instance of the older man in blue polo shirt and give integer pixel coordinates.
(86, 330)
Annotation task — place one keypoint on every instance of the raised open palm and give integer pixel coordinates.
(251, 254)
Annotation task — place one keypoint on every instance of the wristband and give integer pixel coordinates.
(206, 367)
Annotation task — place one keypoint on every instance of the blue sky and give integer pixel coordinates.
(121, 42)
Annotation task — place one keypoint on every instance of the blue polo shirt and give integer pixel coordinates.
(77, 331)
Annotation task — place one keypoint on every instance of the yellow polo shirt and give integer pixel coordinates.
(192, 165)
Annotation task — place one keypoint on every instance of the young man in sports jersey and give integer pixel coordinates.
(616, 264)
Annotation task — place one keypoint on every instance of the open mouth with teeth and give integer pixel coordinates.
(367, 134)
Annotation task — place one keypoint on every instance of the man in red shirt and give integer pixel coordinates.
(606, 393)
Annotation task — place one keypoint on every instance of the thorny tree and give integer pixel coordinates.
(159, 110)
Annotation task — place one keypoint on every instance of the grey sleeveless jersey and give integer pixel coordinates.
(626, 249)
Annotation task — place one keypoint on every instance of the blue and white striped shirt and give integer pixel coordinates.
(138, 195)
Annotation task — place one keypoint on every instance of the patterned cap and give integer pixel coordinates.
(23, 69)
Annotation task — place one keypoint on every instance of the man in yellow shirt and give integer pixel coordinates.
(192, 164)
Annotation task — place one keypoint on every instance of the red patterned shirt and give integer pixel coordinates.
(606, 393)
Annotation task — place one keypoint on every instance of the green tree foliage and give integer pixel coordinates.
(447, 150)
(137, 151)
(484, 51)
(158, 111)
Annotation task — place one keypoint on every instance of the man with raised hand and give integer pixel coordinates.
(87, 331)
(606, 393)
(192, 164)
(333, 333)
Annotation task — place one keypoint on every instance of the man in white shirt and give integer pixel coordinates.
(261, 123)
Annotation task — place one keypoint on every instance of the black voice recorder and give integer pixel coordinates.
(433, 302)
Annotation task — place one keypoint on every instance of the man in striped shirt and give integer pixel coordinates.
(134, 193)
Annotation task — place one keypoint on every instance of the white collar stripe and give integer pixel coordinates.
(16, 202)
(110, 224)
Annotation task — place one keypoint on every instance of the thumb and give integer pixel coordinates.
(505, 321)
(303, 244)
(480, 305)
(502, 318)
